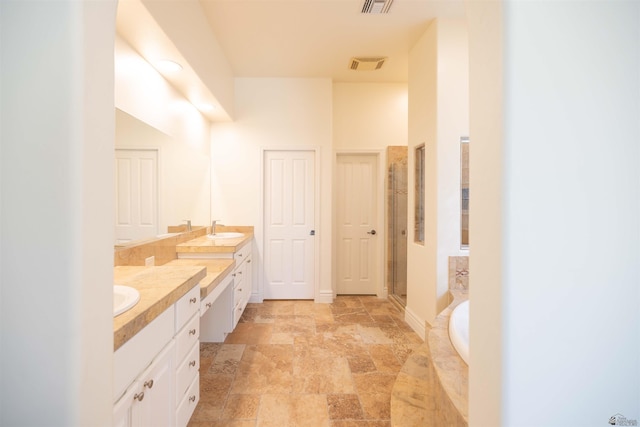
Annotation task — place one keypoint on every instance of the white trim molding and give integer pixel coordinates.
(416, 323)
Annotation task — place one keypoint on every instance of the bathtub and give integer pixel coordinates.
(459, 330)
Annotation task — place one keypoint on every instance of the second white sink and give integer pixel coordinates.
(226, 235)
(124, 297)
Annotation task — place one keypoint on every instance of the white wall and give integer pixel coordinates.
(568, 259)
(486, 217)
(369, 115)
(422, 258)
(438, 117)
(184, 165)
(272, 113)
(56, 320)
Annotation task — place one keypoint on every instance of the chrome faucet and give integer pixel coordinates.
(213, 226)
(188, 221)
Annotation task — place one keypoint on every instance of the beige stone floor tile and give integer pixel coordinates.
(322, 375)
(215, 388)
(298, 363)
(265, 369)
(362, 423)
(227, 360)
(384, 358)
(344, 407)
(374, 383)
(376, 406)
(241, 407)
(250, 333)
(306, 410)
(361, 364)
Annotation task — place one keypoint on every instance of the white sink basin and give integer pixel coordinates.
(226, 235)
(124, 297)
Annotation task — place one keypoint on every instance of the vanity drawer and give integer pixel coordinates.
(187, 371)
(187, 337)
(209, 301)
(187, 306)
(242, 254)
(188, 403)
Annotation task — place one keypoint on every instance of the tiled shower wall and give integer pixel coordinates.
(459, 273)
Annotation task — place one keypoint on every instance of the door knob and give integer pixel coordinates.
(372, 232)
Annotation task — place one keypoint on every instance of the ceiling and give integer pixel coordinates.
(317, 38)
(273, 38)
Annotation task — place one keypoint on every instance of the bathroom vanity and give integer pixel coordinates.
(156, 347)
(232, 298)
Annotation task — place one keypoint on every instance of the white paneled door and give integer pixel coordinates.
(289, 224)
(357, 233)
(136, 182)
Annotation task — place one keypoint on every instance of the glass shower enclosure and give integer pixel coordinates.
(397, 193)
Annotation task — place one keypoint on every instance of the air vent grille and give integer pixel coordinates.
(376, 6)
(367, 63)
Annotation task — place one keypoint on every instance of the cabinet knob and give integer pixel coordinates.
(208, 305)
(192, 363)
(139, 396)
(192, 398)
(239, 272)
(248, 261)
(192, 331)
(148, 383)
(193, 300)
(239, 289)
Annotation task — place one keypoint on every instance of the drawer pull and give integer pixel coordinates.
(239, 272)
(192, 363)
(193, 300)
(139, 396)
(234, 274)
(239, 254)
(208, 305)
(192, 398)
(149, 383)
(192, 331)
(240, 290)
(248, 261)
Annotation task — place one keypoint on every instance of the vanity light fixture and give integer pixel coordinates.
(167, 66)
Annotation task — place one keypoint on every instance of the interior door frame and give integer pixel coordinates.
(259, 297)
(381, 288)
(159, 178)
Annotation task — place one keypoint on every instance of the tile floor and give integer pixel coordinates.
(296, 363)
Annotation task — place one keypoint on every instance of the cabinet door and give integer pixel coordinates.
(157, 407)
(122, 410)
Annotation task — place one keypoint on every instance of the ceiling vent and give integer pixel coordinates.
(376, 6)
(367, 64)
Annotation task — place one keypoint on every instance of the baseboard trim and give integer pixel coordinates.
(417, 324)
(325, 297)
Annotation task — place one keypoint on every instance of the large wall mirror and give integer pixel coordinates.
(160, 180)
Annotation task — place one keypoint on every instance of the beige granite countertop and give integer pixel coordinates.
(205, 245)
(217, 270)
(159, 288)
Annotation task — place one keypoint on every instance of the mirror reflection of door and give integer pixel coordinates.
(136, 188)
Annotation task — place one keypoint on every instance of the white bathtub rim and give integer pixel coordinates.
(459, 330)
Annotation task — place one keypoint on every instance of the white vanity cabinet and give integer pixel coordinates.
(242, 278)
(156, 372)
(187, 356)
(148, 401)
